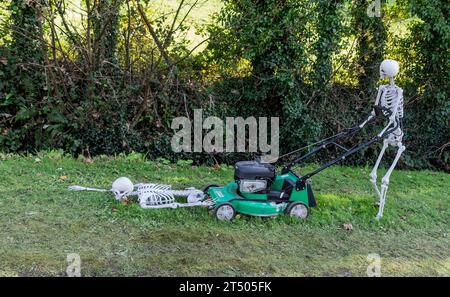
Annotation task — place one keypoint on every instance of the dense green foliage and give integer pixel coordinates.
(22, 79)
(272, 37)
(426, 52)
(112, 80)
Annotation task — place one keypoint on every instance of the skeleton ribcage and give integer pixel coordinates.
(389, 99)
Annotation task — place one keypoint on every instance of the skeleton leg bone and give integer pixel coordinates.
(373, 174)
(385, 180)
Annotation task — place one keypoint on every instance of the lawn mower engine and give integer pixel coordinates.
(254, 177)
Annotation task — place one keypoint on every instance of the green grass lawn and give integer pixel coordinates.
(41, 222)
(197, 15)
(200, 13)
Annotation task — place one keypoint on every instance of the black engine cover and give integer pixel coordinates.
(254, 170)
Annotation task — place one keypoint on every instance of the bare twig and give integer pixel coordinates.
(191, 51)
(153, 33)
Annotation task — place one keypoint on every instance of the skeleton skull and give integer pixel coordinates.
(388, 68)
(122, 187)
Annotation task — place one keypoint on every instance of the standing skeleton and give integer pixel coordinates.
(390, 101)
(388, 104)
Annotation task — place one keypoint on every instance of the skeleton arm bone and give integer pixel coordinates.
(386, 128)
(381, 90)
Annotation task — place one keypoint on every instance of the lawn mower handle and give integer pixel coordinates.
(300, 184)
(332, 140)
(377, 112)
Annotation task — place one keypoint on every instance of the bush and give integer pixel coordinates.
(111, 87)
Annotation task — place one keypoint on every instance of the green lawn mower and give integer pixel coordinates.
(258, 191)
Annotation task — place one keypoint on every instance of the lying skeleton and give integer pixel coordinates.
(151, 195)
